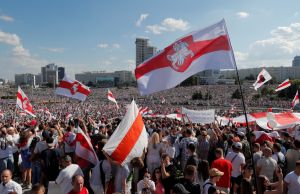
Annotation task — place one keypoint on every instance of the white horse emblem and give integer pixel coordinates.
(181, 52)
(74, 88)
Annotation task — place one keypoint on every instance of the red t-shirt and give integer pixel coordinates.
(226, 167)
(83, 191)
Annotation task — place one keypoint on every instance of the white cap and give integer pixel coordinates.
(238, 145)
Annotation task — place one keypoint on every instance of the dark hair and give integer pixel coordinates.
(192, 147)
(246, 187)
(190, 170)
(188, 131)
(277, 147)
(153, 175)
(297, 143)
(37, 188)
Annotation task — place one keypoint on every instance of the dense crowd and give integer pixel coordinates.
(180, 157)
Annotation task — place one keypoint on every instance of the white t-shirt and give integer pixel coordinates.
(15, 139)
(280, 155)
(237, 159)
(5, 147)
(268, 166)
(9, 187)
(64, 179)
(40, 146)
(141, 185)
(293, 182)
(95, 181)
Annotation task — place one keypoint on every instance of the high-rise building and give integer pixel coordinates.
(296, 61)
(25, 79)
(51, 73)
(61, 73)
(143, 50)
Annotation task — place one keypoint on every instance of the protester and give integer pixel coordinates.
(214, 177)
(8, 185)
(78, 188)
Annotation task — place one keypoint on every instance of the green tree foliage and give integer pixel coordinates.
(197, 96)
(236, 94)
(289, 93)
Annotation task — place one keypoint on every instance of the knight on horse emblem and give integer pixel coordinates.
(181, 52)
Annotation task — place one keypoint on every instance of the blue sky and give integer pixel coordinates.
(99, 35)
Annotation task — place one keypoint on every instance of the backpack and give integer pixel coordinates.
(281, 164)
(50, 161)
(208, 183)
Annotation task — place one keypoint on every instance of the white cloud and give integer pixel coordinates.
(105, 45)
(102, 45)
(116, 45)
(6, 18)
(242, 14)
(55, 50)
(20, 59)
(277, 50)
(168, 24)
(141, 19)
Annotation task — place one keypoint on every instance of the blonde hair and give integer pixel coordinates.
(154, 139)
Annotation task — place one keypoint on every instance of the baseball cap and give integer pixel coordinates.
(240, 133)
(215, 172)
(238, 145)
(179, 188)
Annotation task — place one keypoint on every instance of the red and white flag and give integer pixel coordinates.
(204, 49)
(73, 89)
(129, 139)
(262, 78)
(283, 85)
(68, 116)
(84, 148)
(111, 97)
(23, 102)
(144, 111)
(295, 100)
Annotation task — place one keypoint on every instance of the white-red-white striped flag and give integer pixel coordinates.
(129, 139)
(73, 89)
(283, 85)
(262, 78)
(144, 111)
(200, 50)
(84, 149)
(23, 102)
(111, 97)
(295, 100)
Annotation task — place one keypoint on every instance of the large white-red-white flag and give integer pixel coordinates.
(262, 78)
(73, 89)
(129, 139)
(285, 84)
(111, 97)
(295, 100)
(84, 148)
(204, 49)
(23, 102)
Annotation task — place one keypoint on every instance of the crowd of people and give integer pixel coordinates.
(180, 158)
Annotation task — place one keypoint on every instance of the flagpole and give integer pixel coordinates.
(244, 109)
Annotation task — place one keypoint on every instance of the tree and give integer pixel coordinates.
(236, 94)
(250, 77)
(197, 96)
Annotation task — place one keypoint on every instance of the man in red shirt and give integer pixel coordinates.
(225, 166)
(78, 188)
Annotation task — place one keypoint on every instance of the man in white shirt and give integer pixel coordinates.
(237, 160)
(64, 179)
(292, 181)
(6, 154)
(266, 165)
(8, 185)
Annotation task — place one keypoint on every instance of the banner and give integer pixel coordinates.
(199, 116)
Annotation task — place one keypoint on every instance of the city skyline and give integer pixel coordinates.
(99, 36)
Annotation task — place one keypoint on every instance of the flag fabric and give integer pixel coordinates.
(262, 78)
(129, 139)
(23, 102)
(111, 97)
(73, 89)
(204, 49)
(285, 84)
(68, 116)
(144, 111)
(84, 148)
(295, 100)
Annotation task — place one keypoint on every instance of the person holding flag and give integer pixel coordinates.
(111, 97)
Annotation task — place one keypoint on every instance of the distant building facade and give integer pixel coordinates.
(61, 73)
(143, 50)
(296, 61)
(105, 79)
(25, 79)
(278, 74)
(51, 73)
